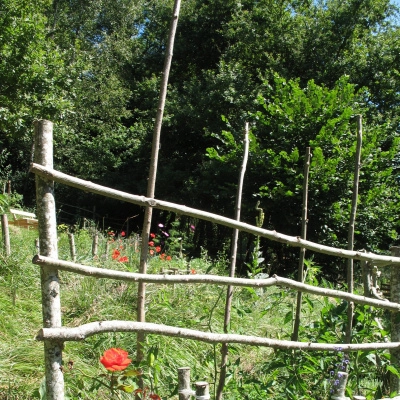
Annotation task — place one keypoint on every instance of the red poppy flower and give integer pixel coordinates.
(158, 249)
(123, 259)
(151, 243)
(151, 252)
(193, 271)
(168, 258)
(115, 254)
(123, 233)
(152, 235)
(115, 359)
(154, 396)
(162, 256)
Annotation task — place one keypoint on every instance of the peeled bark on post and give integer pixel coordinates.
(235, 236)
(395, 322)
(152, 175)
(46, 212)
(6, 234)
(350, 280)
(184, 389)
(304, 221)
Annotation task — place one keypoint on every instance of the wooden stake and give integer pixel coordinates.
(72, 247)
(95, 245)
(395, 323)
(184, 390)
(202, 391)
(51, 306)
(6, 234)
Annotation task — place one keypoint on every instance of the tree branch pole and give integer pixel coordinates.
(51, 305)
(99, 327)
(350, 272)
(209, 279)
(235, 236)
(141, 317)
(294, 241)
(303, 235)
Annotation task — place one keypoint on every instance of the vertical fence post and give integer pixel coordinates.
(95, 245)
(6, 234)
(340, 389)
(304, 222)
(395, 321)
(51, 306)
(72, 247)
(184, 389)
(202, 391)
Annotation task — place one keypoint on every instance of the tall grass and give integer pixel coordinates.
(253, 372)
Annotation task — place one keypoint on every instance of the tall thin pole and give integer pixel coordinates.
(304, 221)
(152, 176)
(235, 235)
(356, 181)
(51, 306)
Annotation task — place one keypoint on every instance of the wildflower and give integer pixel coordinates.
(193, 271)
(158, 249)
(151, 243)
(165, 233)
(154, 396)
(160, 225)
(123, 259)
(111, 233)
(115, 359)
(168, 258)
(192, 227)
(123, 233)
(115, 254)
(151, 252)
(152, 235)
(162, 256)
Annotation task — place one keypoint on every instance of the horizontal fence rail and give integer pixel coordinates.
(56, 176)
(209, 279)
(84, 331)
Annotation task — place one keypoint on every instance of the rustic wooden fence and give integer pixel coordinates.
(53, 334)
